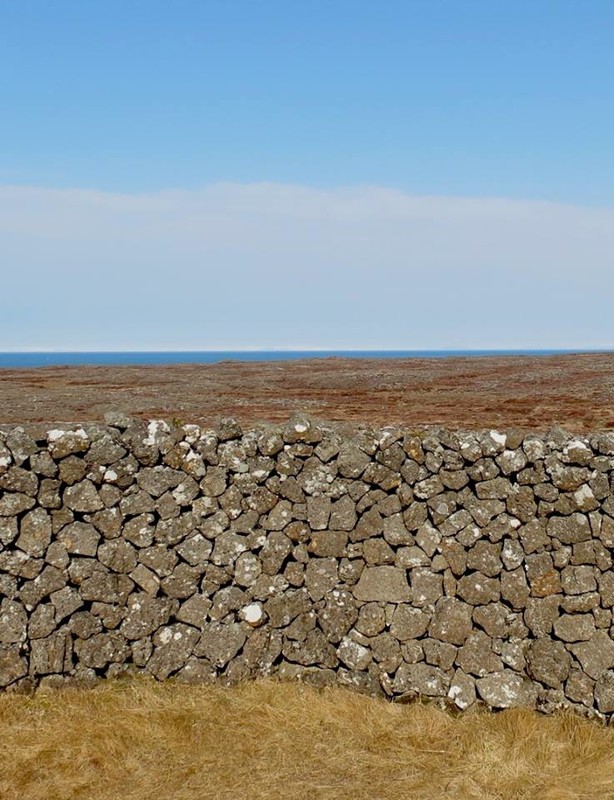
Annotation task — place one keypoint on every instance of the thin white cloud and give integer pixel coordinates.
(267, 265)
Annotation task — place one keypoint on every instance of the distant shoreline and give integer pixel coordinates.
(34, 359)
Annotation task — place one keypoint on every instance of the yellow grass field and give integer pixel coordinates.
(144, 741)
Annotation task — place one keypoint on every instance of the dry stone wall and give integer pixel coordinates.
(469, 566)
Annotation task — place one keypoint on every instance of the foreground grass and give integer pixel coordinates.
(270, 740)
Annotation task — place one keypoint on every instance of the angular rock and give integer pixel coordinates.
(387, 584)
(596, 656)
(314, 650)
(548, 661)
(478, 589)
(321, 576)
(476, 656)
(462, 690)
(12, 504)
(173, 646)
(540, 614)
(64, 443)
(51, 655)
(421, 679)
(426, 587)
(604, 693)
(451, 621)
(102, 649)
(80, 538)
(506, 689)
(13, 622)
(377, 551)
(35, 532)
(83, 497)
(145, 615)
(514, 588)
(354, 655)
(338, 614)
(276, 550)
(575, 627)
(12, 665)
(146, 579)
(543, 578)
(220, 643)
(569, 530)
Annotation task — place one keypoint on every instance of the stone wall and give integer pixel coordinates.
(467, 566)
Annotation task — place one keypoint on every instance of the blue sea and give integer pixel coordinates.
(28, 360)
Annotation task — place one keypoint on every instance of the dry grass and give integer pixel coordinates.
(268, 740)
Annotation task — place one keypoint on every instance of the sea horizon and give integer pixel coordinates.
(29, 359)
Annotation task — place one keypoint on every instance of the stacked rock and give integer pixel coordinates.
(464, 566)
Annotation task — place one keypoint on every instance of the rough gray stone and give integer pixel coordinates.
(478, 589)
(462, 690)
(51, 654)
(506, 689)
(102, 649)
(421, 679)
(451, 621)
(354, 655)
(426, 587)
(173, 646)
(145, 615)
(35, 532)
(321, 576)
(338, 614)
(548, 662)
(604, 693)
(575, 627)
(80, 538)
(314, 650)
(387, 584)
(476, 655)
(569, 530)
(12, 504)
(596, 656)
(13, 622)
(351, 461)
(83, 497)
(12, 665)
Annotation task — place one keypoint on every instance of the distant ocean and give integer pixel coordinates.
(31, 359)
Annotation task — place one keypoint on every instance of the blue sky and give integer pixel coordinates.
(232, 157)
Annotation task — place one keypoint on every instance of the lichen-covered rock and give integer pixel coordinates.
(506, 689)
(604, 693)
(13, 665)
(173, 645)
(387, 584)
(421, 679)
(13, 622)
(476, 656)
(321, 576)
(14, 503)
(478, 589)
(451, 621)
(596, 655)
(80, 538)
(574, 627)
(35, 532)
(220, 643)
(145, 615)
(548, 662)
(102, 649)
(51, 654)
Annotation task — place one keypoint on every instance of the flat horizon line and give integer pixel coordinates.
(597, 349)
